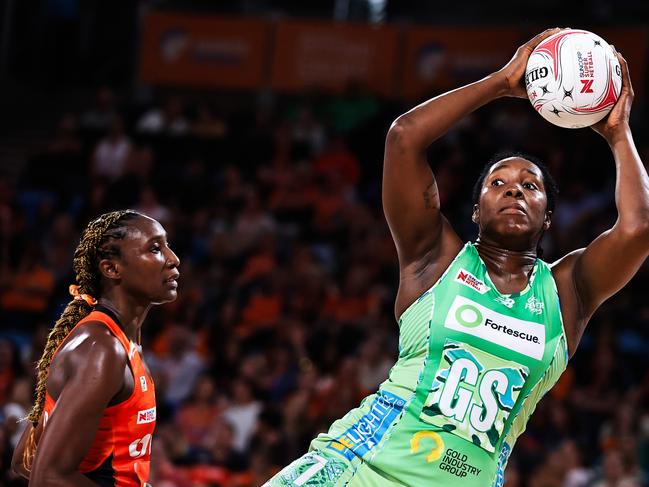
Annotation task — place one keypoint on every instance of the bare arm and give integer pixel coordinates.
(410, 196)
(425, 241)
(94, 375)
(612, 259)
(17, 464)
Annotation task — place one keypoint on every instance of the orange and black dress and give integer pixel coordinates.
(120, 453)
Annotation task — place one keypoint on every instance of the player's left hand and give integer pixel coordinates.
(616, 123)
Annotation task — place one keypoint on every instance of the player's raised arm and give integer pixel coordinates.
(410, 193)
(612, 259)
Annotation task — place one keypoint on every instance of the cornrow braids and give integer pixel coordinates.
(98, 241)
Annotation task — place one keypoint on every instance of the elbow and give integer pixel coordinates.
(401, 134)
(637, 228)
(18, 464)
(18, 468)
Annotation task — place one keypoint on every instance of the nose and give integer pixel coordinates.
(514, 191)
(172, 258)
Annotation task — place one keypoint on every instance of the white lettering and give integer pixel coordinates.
(482, 418)
(139, 447)
(462, 370)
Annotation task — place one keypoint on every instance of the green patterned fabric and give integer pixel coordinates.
(473, 364)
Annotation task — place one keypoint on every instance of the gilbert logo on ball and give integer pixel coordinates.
(573, 78)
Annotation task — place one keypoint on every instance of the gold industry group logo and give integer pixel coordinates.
(452, 461)
(436, 452)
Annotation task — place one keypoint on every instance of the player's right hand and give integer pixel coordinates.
(513, 73)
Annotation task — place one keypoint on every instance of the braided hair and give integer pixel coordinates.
(97, 243)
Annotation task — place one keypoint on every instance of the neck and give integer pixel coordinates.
(130, 315)
(504, 262)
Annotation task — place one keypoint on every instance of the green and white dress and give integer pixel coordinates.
(473, 364)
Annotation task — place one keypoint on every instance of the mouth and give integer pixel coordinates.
(172, 281)
(513, 210)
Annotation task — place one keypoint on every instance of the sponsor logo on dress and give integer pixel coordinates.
(433, 438)
(146, 416)
(468, 279)
(456, 463)
(140, 448)
(502, 462)
(535, 306)
(505, 301)
(525, 337)
(366, 433)
(143, 383)
(452, 461)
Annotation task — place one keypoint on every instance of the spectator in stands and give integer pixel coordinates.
(617, 473)
(242, 413)
(111, 154)
(171, 120)
(101, 116)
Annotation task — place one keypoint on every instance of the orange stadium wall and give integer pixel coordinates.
(438, 59)
(204, 51)
(328, 55)
(297, 55)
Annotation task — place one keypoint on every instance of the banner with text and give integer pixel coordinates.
(438, 59)
(294, 55)
(442, 58)
(204, 51)
(331, 56)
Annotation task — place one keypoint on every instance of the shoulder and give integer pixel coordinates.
(565, 266)
(90, 364)
(572, 308)
(93, 347)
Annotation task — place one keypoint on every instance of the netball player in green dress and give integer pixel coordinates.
(486, 328)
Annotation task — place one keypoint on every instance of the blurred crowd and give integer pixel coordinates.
(285, 316)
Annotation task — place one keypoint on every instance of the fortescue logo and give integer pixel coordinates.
(522, 336)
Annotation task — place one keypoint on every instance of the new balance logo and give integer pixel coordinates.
(146, 416)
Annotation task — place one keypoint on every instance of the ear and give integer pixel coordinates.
(547, 221)
(475, 217)
(110, 269)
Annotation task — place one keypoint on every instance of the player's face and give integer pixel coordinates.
(513, 201)
(149, 268)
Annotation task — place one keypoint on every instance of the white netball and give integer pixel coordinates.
(573, 78)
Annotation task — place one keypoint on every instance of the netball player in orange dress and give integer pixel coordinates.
(95, 410)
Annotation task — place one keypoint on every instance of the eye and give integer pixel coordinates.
(155, 249)
(530, 186)
(497, 182)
